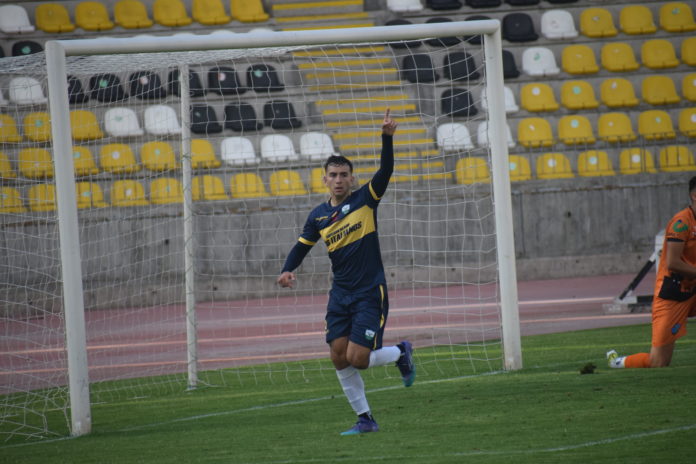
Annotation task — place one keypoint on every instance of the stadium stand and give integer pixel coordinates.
(677, 17)
(553, 166)
(166, 190)
(37, 126)
(472, 170)
(89, 195)
(209, 12)
(597, 22)
(658, 54)
(26, 91)
(11, 201)
(122, 122)
(593, 163)
(248, 11)
(42, 197)
(158, 156)
(637, 19)
(203, 155)
(286, 182)
(579, 59)
(241, 117)
(316, 146)
(453, 137)
(676, 158)
(208, 188)
(558, 25)
(538, 96)
(578, 95)
(35, 163)
(15, 20)
(238, 151)
(655, 125)
(539, 61)
(26, 47)
(520, 168)
(659, 90)
(84, 125)
(170, 13)
(615, 127)
(128, 192)
(83, 162)
(131, 14)
(636, 161)
(247, 185)
(277, 148)
(53, 18)
(92, 16)
(118, 158)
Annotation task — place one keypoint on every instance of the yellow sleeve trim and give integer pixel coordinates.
(372, 192)
(306, 242)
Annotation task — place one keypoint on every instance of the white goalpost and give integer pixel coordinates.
(176, 175)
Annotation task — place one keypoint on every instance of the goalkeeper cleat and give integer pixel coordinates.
(614, 360)
(406, 365)
(364, 425)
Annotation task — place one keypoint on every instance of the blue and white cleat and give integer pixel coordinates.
(406, 365)
(364, 425)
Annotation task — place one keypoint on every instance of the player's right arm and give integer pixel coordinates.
(672, 254)
(307, 239)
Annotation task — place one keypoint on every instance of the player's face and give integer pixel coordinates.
(339, 180)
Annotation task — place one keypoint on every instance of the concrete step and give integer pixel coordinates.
(336, 18)
(367, 110)
(282, 9)
(341, 51)
(313, 27)
(359, 76)
(376, 84)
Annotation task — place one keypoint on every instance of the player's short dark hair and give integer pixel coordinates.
(338, 160)
(692, 184)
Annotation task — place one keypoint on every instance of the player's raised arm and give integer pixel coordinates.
(388, 125)
(386, 163)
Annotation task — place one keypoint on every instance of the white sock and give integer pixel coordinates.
(353, 388)
(384, 356)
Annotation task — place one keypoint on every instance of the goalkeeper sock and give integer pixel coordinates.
(637, 360)
(354, 389)
(384, 356)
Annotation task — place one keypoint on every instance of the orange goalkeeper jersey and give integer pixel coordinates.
(681, 228)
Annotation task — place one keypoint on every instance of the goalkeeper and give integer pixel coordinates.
(358, 303)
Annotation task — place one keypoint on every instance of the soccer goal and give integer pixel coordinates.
(152, 187)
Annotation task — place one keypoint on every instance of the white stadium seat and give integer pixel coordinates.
(14, 20)
(482, 135)
(238, 151)
(404, 6)
(558, 24)
(454, 136)
(26, 91)
(510, 103)
(539, 61)
(161, 120)
(278, 148)
(122, 122)
(316, 146)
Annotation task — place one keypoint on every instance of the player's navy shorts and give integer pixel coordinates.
(359, 316)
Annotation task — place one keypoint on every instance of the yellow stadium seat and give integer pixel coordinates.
(203, 155)
(594, 163)
(534, 132)
(165, 191)
(659, 90)
(617, 92)
(247, 185)
(92, 16)
(286, 182)
(688, 51)
(597, 22)
(131, 14)
(248, 11)
(35, 163)
(687, 122)
(655, 125)
(208, 187)
(170, 13)
(615, 128)
(53, 18)
(83, 162)
(317, 181)
(472, 170)
(689, 86)
(677, 17)
(575, 130)
(11, 201)
(8, 129)
(37, 126)
(578, 95)
(519, 168)
(6, 171)
(128, 193)
(553, 166)
(209, 12)
(42, 197)
(618, 57)
(579, 59)
(676, 158)
(118, 158)
(89, 195)
(538, 97)
(637, 19)
(658, 54)
(636, 161)
(84, 125)
(158, 156)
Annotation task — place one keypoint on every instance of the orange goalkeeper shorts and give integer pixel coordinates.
(669, 319)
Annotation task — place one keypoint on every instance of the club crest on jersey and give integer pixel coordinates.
(679, 226)
(345, 209)
(369, 334)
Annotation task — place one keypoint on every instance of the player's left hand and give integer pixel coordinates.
(388, 125)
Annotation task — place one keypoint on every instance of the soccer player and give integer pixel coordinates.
(358, 304)
(675, 290)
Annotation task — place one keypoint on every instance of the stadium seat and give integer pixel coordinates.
(453, 136)
(247, 185)
(519, 167)
(224, 80)
(84, 125)
(26, 47)
(122, 122)
(689, 86)
(128, 193)
(158, 156)
(161, 120)
(578, 95)
(518, 27)
(118, 158)
(89, 195)
(688, 51)
(316, 146)
(618, 57)
(208, 188)
(53, 18)
(457, 102)
(76, 93)
(534, 132)
(131, 14)
(146, 85)
(26, 91)
(510, 70)
(636, 19)
(659, 90)
(402, 44)
(615, 127)
(460, 66)
(575, 130)
(579, 59)
(203, 155)
(482, 135)
(635, 161)
(676, 158)
(658, 54)
(83, 162)
(404, 6)
(594, 163)
(37, 126)
(617, 92)
(539, 61)
(8, 129)
(106, 88)
(263, 78)
(597, 22)
(537, 97)
(286, 183)
(248, 11)
(687, 122)
(316, 181)
(278, 148)
(195, 85)
(553, 166)
(443, 4)
(166, 190)
(558, 24)
(522, 2)
(92, 16)
(14, 20)
(241, 117)
(510, 104)
(280, 114)
(6, 171)
(209, 12)
(42, 197)
(238, 151)
(472, 170)
(483, 3)
(204, 120)
(170, 13)
(655, 125)
(442, 41)
(35, 163)
(677, 17)
(11, 201)
(418, 68)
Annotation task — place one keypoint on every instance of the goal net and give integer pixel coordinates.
(194, 172)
